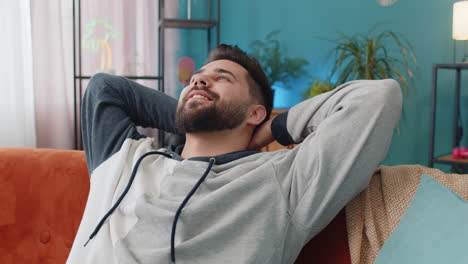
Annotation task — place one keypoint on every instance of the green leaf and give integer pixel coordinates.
(277, 66)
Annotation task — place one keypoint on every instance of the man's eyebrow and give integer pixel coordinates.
(221, 70)
(218, 70)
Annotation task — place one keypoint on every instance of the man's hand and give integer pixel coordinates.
(262, 136)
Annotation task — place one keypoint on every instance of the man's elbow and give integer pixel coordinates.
(388, 97)
(101, 79)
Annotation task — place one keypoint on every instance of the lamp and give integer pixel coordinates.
(460, 24)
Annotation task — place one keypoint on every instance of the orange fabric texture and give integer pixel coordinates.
(42, 197)
(43, 193)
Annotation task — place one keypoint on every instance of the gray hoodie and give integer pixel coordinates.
(252, 207)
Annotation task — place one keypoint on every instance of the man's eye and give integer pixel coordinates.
(221, 77)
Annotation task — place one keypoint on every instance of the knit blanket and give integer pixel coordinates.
(373, 215)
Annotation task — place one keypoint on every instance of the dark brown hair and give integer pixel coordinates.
(258, 83)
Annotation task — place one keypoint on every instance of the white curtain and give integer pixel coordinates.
(16, 64)
(36, 66)
(52, 42)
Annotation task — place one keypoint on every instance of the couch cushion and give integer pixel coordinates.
(43, 193)
(433, 229)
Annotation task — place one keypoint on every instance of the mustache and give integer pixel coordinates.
(202, 88)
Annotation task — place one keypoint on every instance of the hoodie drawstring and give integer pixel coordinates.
(129, 184)
(187, 198)
(127, 188)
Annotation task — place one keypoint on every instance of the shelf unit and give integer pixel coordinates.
(163, 23)
(166, 23)
(456, 136)
(209, 24)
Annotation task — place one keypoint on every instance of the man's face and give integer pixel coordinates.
(217, 98)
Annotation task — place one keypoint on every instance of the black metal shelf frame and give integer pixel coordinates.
(207, 24)
(458, 67)
(163, 23)
(84, 77)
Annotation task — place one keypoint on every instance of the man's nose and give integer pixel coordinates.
(200, 81)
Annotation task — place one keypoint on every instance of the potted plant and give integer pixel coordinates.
(278, 67)
(369, 57)
(317, 87)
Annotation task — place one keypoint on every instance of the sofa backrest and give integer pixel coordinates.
(42, 197)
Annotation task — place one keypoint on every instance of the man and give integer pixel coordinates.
(215, 199)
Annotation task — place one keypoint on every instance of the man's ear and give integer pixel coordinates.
(257, 114)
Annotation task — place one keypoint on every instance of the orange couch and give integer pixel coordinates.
(42, 197)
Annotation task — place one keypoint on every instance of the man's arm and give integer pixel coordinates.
(343, 134)
(113, 107)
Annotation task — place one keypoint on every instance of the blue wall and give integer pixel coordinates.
(426, 24)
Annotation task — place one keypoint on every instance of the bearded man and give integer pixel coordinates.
(216, 199)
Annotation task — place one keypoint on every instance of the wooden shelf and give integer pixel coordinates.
(459, 65)
(448, 159)
(184, 23)
(126, 76)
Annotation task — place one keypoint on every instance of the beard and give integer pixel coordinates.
(195, 116)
